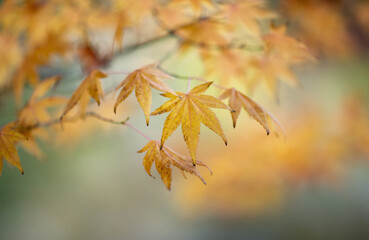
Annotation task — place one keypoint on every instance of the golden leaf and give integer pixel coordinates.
(142, 79)
(257, 112)
(90, 87)
(190, 109)
(164, 158)
(8, 139)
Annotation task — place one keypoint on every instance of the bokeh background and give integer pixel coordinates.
(313, 184)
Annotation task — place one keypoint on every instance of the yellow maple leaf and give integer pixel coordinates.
(90, 87)
(8, 139)
(190, 109)
(141, 80)
(237, 100)
(164, 158)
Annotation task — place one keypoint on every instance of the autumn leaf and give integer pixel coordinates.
(89, 57)
(27, 72)
(141, 80)
(90, 87)
(209, 32)
(8, 139)
(246, 14)
(196, 5)
(36, 112)
(224, 66)
(269, 70)
(190, 109)
(164, 158)
(172, 15)
(237, 100)
(286, 48)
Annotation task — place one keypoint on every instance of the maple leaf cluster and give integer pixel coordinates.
(229, 36)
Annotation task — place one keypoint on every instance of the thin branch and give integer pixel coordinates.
(88, 114)
(117, 72)
(104, 119)
(138, 131)
(182, 77)
(188, 85)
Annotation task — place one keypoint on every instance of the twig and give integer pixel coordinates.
(175, 75)
(188, 85)
(138, 131)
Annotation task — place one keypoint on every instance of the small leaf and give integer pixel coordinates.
(164, 158)
(257, 112)
(90, 87)
(8, 139)
(141, 80)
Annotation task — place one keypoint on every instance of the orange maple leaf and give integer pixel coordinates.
(286, 48)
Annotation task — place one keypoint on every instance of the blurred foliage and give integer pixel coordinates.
(311, 183)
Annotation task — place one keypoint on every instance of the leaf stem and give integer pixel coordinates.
(189, 84)
(95, 115)
(182, 77)
(136, 130)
